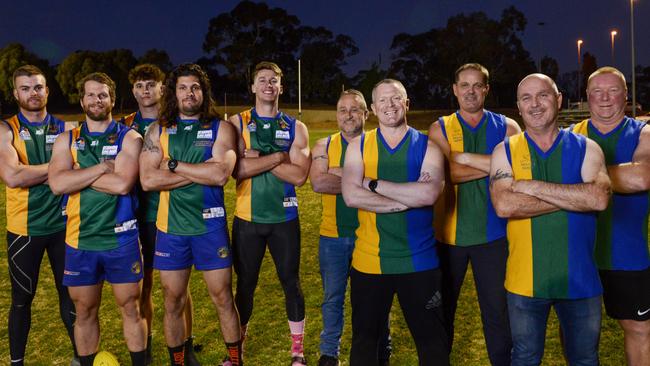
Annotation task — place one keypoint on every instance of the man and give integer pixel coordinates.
(34, 220)
(548, 183)
(147, 81)
(96, 166)
(393, 175)
(622, 238)
(188, 157)
(467, 226)
(274, 158)
(338, 224)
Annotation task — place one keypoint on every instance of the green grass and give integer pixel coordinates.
(268, 342)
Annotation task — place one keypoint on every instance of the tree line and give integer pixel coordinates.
(251, 32)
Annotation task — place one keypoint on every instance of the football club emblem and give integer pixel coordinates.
(223, 252)
(135, 268)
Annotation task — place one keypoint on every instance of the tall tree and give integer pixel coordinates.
(252, 32)
(322, 55)
(427, 61)
(116, 63)
(366, 79)
(589, 65)
(157, 57)
(550, 67)
(12, 57)
(248, 34)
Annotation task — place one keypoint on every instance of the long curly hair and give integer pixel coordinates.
(169, 111)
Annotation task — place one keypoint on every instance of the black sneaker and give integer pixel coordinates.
(326, 360)
(190, 357)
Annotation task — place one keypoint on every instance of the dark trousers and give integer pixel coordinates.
(249, 246)
(421, 302)
(489, 268)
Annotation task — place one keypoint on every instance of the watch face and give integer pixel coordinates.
(172, 164)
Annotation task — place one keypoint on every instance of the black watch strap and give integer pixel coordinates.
(372, 185)
(172, 164)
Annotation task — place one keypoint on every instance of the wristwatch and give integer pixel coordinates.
(372, 185)
(172, 164)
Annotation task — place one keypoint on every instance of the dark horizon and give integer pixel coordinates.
(59, 29)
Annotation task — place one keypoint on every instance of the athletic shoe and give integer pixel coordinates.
(298, 361)
(75, 361)
(385, 362)
(326, 360)
(190, 357)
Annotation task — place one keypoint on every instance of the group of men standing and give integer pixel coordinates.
(113, 200)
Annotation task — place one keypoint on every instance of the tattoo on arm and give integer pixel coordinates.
(395, 209)
(424, 177)
(500, 174)
(149, 145)
(319, 157)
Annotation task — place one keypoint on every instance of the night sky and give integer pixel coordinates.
(52, 29)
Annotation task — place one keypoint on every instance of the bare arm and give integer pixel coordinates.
(64, 177)
(250, 166)
(507, 203)
(593, 195)
(425, 191)
(12, 171)
(322, 181)
(121, 180)
(355, 193)
(295, 170)
(152, 176)
(459, 172)
(216, 170)
(633, 177)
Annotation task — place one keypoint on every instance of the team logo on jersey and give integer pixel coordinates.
(53, 129)
(49, 139)
(213, 212)
(223, 252)
(136, 268)
(24, 134)
(266, 126)
(188, 128)
(283, 135)
(126, 226)
(111, 138)
(204, 134)
(109, 150)
(290, 202)
(79, 144)
(94, 142)
(39, 132)
(282, 124)
(252, 126)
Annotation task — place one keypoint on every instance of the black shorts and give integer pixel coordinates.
(147, 243)
(627, 294)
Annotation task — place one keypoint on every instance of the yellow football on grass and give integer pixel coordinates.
(105, 358)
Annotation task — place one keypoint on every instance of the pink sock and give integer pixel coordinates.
(297, 334)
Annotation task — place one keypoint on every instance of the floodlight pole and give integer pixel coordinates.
(299, 92)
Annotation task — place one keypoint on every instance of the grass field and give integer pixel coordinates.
(268, 342)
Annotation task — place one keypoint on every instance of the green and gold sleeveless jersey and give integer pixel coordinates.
(399, 242)
(338, 220)
(266, 198)
(465, 215)
(34, 210)
(148, 201)
(622, 238)
(551, 256)
(96, 220)
(194, 209)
